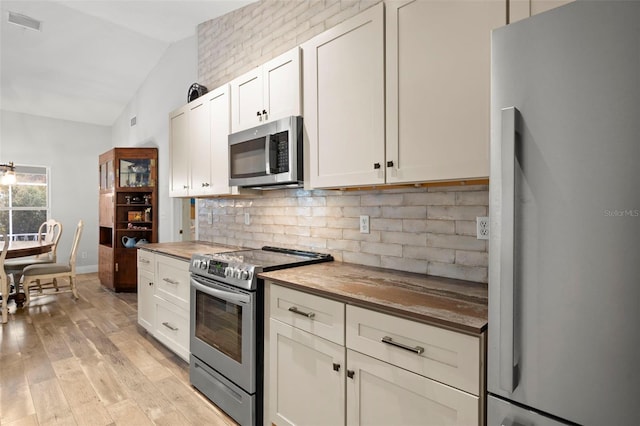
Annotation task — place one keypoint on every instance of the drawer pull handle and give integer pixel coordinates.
(169, 326)
(389, 341)
(295, 310)
(170, 281)
(145, 261)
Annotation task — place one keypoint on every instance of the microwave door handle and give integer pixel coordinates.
(227, 296)
(267, 147)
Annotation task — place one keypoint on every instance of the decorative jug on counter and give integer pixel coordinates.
(129, 242)
(141, 242)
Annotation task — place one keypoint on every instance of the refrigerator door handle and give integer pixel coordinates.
(510, 118)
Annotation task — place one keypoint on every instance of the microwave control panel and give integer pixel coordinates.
(279, 152)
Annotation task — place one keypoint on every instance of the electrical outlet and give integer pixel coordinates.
(364, 224)
(83, 255)
(210, 218)
(482, 227)
(247, 219)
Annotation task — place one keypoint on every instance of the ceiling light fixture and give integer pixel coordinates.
(9, 176)
(24, 21)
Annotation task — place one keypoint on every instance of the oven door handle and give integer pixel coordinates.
(227, 296)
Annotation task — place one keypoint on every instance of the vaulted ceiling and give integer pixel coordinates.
(90, 56)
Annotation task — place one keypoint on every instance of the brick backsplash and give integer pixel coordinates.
(423, 230)
(235, 43)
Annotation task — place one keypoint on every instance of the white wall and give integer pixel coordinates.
(71, 151)
(164, 90)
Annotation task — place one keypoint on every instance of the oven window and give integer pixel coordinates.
(248, 158)
(219, 324)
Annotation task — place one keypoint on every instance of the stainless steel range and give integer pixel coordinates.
(227, 300)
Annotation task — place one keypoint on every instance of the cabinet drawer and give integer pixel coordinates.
(381, 393)
(172, 281)
(146, 260)
(317, 315)
(172, 327)
(443, 355)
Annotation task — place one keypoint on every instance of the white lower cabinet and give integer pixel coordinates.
(307, 377)
(146, 288)
(383, 370)
(379, 393)
(164, 299)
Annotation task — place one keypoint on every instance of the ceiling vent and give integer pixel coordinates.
(24, 21)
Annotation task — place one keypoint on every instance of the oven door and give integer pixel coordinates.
(223, 330)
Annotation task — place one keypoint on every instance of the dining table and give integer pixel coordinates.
(19, 249)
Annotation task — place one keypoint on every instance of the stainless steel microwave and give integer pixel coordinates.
(268, 156)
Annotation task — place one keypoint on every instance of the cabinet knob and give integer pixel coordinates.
(389, 163)
(185, 186)
(376, 166)
(336, 366)
(264, 112)
(350, 374)
(258, 114)
(151, 283)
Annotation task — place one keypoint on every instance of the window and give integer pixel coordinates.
(25, 204)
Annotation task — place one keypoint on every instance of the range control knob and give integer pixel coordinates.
(204, 265)
(244, 274)
(196, 263)
(228, 272)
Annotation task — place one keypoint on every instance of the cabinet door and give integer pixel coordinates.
(281, 77)
(219, 126)
(521, 9)
(173, 281)
(199, 147)
(146, 311)
(179, 153)
(306, 382)
(246, 100)
(172, 327)
(344, 102)
(383, 394)
(438, 81)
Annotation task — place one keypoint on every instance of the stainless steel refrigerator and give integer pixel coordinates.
(564, 251)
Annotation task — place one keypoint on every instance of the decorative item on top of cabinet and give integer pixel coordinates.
(268, 92)
(199, 147)
(127, 212)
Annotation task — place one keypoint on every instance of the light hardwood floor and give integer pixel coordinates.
(87, 362)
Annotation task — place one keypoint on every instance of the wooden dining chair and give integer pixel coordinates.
(35, 275)
(49, 232)
(4, 283)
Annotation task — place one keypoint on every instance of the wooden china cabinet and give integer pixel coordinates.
(128, 213)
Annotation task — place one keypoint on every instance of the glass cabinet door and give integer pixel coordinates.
(106, 175)
(136, 173)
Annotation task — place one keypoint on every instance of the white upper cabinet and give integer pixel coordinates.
(417, 113)
(438, 88)
(521, 9)
(344, 102)
(179, 152)
(268, 92)
(199, 146)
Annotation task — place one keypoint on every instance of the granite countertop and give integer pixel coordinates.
(184, 249)
(456, 304)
